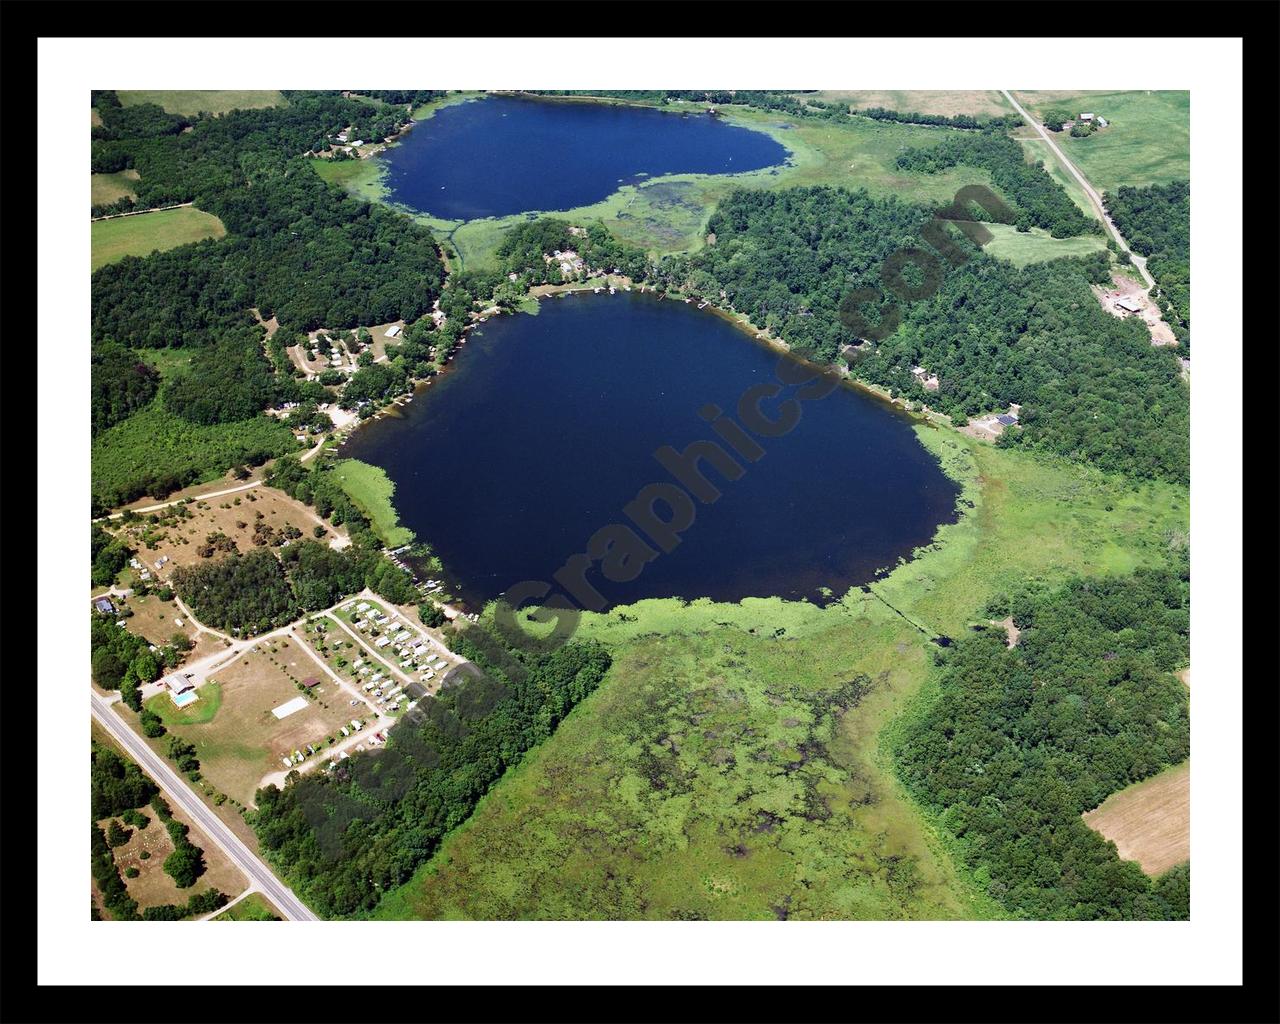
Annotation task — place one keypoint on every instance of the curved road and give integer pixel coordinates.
(260, 876)
(1138, 261)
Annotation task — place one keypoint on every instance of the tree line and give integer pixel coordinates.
(1092, 386)
(1018, 742)
(344, 838)
(1156, 221)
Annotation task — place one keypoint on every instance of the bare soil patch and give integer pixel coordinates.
(1150, 821)
(1124, 287)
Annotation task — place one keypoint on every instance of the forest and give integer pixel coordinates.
(345, 838)
(1016, 743)
(1092, 387)
(1041, 201)
(297, 249)
(1156, 221)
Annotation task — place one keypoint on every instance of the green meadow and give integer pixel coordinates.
(107, 188)
(371, 489)
(1037, 245)
(144, 233)
(735, 763)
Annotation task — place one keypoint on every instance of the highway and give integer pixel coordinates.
(259, 875)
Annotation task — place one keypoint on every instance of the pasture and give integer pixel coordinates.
(1150, 821)
(243, 741)
(1147, 141)
(195, 101)
(144, 233)
(1037, 245)
(107, 188)
(710, 773)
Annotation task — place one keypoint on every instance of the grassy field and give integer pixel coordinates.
(1150, 821)
(107, 188)
(243, 741)
(1037, 245)
(669, 214)
(918, 101)
(706, 776)
(254, 907)
(203, 710)
(145, 233)
(1148, 139)
(194, 101)
(370, 488)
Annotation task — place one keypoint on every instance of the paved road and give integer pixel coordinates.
(1138, 261)
(260, 876)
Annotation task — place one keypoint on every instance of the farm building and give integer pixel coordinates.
(1004, 419)
(1128, 304)
(1086, 117)
(310, 681)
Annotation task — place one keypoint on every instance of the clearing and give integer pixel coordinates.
(177, 534)
(1147, 140)
(107, 188)
(1150, 821)
(144, 233)
(244, 741)
(195, 101)
(1125, 287)
(1036, 245)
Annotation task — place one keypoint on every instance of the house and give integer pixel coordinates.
(182, 691)
(310, 681)
(1128, 305)
(104, 605)
(1086, 117)
(927, 380)
(392, 331)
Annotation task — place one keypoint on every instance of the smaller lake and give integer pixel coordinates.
(501, 155)
(546, 426)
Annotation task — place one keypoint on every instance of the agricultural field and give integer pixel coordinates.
(978, 102)
(724, 769)
(371, 489)
(243, 741)
(1148, 139)
(107, 188)
(1150, 821)
(1036, 246)
(144, 233)
(254, 907)
(178, 533)
(195, 101)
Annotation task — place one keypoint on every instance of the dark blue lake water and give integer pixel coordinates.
(501, 155)
(546, 426)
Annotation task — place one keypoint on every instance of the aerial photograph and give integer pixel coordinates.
(637, 505)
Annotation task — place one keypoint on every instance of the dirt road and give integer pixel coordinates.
(1094, 198)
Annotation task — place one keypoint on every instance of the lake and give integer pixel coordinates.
(545, 426)
(502, 155)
